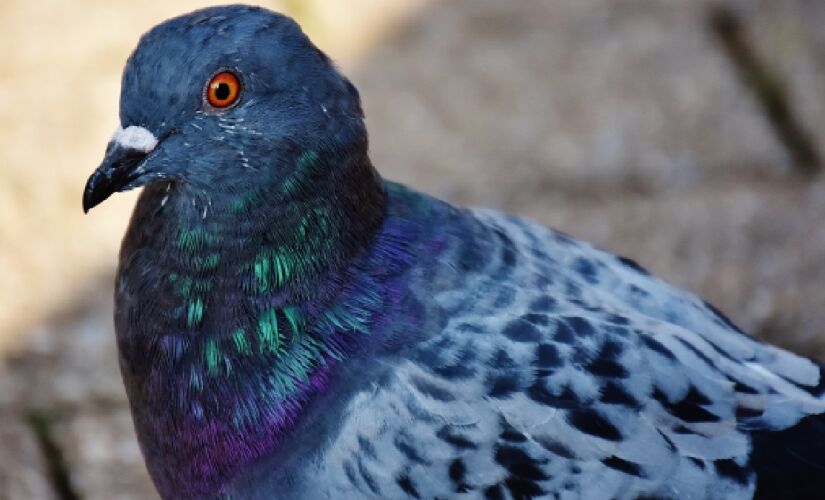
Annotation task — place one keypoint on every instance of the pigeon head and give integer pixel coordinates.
(230, 100)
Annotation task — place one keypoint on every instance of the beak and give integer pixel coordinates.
(122, 167)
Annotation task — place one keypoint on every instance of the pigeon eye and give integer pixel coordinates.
(223, 89)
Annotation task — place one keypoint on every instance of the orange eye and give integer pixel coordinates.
(223, 89)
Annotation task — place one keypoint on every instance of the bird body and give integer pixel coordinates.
(290, 325)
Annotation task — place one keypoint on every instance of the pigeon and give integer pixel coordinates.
(291, 325)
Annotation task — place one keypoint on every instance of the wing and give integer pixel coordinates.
(567, 372)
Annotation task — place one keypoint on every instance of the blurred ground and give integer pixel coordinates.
(672, 132)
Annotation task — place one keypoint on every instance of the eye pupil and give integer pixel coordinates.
(223, 91)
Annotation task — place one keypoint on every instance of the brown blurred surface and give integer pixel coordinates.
(628, 123)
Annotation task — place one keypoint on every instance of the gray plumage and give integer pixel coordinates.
(562, 371)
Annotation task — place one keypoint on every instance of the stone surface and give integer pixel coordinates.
(484, 102)
(23, 471)
(789, 36)
(70, 359)
(106, 463)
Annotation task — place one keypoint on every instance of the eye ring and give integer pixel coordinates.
(222, 90)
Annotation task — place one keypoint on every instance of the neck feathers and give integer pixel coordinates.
(232, 315)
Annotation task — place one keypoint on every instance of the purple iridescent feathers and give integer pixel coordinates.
(238, 372)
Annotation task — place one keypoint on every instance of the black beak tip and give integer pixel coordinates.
(87, 202)
(87, 205)
(116, 173)
(95, 192)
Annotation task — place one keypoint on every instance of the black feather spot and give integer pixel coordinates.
(509, 433)
(580, 325)
(623, 465)
(605, 364)
(537, 319)
(508, 256)
(696, 351)
(460, 370)
(555, 447)
(689, 408)
(656, 346)
(454, 439)
(471, 258)
(502, 386)
(632, 264)
(614, 394)
(745, 413)
(660, 396)
(366, 447)
(501, 360)
(409, 451)
(695, 396)
(744, 388)
(349, 470)
(542, 279)
(407, 485)
(522, 488)
(544, 304)
(494, 492)
(618, 320)
(591, 422)
(587, 270)
(564, 333)
(611, 350)
(616, 331)
(458, 475)
(367, 477)
(670, 445)
(582, 356)
(547, 356)
(520, 330)
(607, 368)
(519, 463)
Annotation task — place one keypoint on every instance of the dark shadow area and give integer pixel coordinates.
(41, 423)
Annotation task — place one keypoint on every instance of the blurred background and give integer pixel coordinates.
(685, 134)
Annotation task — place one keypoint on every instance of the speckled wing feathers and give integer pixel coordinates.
(566, 372)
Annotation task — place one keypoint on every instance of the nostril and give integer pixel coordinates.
(127, 157)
